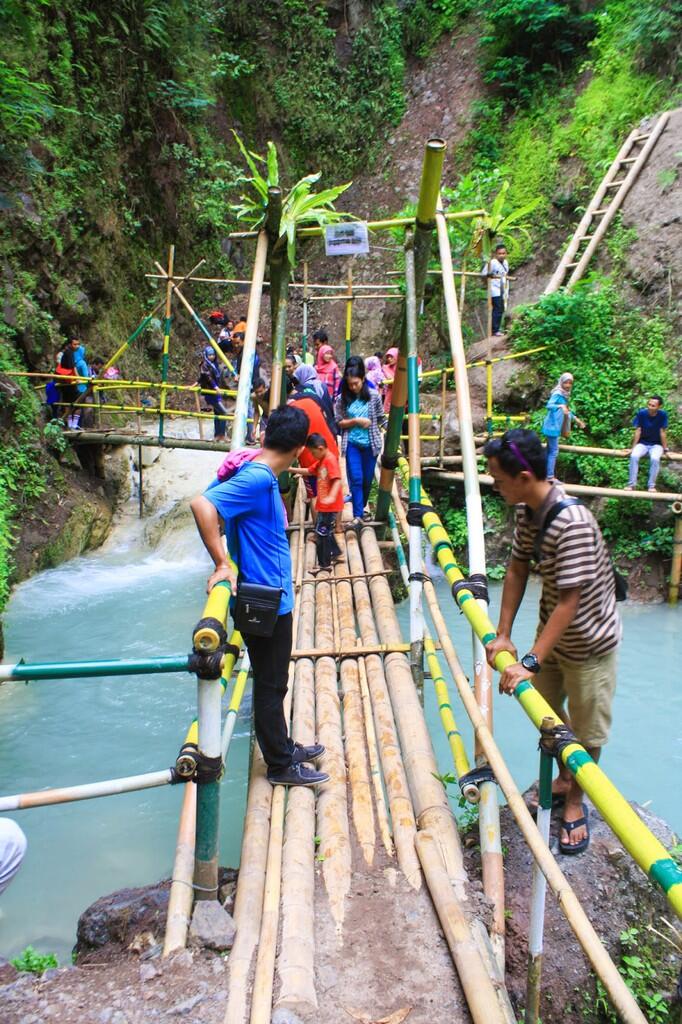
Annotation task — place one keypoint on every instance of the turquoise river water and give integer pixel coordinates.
(129, 600)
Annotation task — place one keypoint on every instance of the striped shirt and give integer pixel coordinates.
(573, 554)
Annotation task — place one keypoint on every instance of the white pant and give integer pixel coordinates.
(655, 453)
(12, 849)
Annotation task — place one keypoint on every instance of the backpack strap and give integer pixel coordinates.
(551, 515)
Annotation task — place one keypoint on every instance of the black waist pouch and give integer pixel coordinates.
(256, 608)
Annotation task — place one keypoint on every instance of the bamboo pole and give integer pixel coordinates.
(538, 891)
(353, 722)
(332, 808)
(266, 284)
(197, 404)
(432, 167)
(577, 489)
(443, 399)
(569, 904)
(374, 765)
(263, 982)
(414, 486)
(304, 331)
(350, 299)
(241, 408)
(373, 225)
(296, 962)
(202, 326)
(117, 437)
(489, 815)
(181, 890)
(399, 802)
(676, 567)
(478, 987)
(349, 311)
(637, 839)
(459, 756)
(166, 335)
(432, 810)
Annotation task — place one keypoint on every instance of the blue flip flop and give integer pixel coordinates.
(569, 826)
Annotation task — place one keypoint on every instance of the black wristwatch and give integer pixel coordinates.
(530, 663)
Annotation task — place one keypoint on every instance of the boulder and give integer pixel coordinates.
(212, 926)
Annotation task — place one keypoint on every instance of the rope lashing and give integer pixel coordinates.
(389, 461)
(191, 765)
(208, 769)
(554, 740)
(476, 585)
(207, 664)
(478, 775)
(421, 577)
(416, 512)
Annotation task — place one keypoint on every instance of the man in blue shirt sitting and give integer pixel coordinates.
(650, 439)
(251, 508)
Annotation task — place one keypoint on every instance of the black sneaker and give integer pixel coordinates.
(296, 775)
(302, 753)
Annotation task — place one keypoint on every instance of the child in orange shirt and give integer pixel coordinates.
(329, 500)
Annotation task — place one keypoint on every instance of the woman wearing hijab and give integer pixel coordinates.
(307, 382)
(375, 375)
(558, 419)
(360, 416)
(388, 369)
(327, 370)
(210, 381)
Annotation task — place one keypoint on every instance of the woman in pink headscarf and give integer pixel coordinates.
(327, 369)
(389, 367)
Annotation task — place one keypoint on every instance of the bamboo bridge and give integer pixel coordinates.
(329, 879)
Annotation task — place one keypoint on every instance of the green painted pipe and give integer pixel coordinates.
(22, 671)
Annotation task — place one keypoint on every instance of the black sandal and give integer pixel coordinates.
(570, 826)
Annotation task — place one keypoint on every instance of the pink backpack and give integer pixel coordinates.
(235, 460)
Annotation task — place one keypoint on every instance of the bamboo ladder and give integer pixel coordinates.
(605, 203)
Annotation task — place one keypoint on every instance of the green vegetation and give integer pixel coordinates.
(33, 962)
(22, 464)
(646, 975)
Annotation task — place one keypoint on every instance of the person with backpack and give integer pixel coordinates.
(573, 658)
(247, 501)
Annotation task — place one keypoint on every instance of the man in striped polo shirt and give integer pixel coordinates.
(573, 659)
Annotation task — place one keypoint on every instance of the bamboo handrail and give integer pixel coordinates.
(577, 489)
(637, 839)
(266, 284)
(373, 225)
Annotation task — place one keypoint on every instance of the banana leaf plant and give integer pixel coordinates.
(497, 223)
(301, 207)
(263, 206)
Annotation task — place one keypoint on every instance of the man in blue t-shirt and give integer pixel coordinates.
(650, 439)
(251, 508)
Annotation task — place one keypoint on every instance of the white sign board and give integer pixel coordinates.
(346, 239)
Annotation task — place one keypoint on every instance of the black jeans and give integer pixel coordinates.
(498, 312)
(270, 669)
(327, 548)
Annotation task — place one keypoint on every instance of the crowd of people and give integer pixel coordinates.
(69, 397)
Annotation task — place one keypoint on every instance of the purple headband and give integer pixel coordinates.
(514, 448)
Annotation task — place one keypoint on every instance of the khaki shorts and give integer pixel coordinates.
(588, 688)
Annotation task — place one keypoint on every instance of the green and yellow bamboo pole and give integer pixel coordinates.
(199, 323)
(241, 407)
(349, 312)
(568, 902)
(447, 717)
(423, 234)
(414, 532)
(166, 336)
(637, 839)
(207, 638)
(181, 891)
